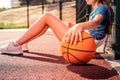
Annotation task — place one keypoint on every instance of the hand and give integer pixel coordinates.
(73, 35)
(70, 24)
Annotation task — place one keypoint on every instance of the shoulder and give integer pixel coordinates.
(103, 8)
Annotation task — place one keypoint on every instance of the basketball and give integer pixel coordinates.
(80, 53)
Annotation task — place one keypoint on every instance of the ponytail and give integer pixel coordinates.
(111, 14)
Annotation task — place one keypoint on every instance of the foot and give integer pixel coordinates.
(25, 47)
(10, 49)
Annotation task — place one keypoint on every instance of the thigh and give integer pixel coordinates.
(58, 27)
(100, 42)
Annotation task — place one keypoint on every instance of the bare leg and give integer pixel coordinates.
(25, 46)
(41, 25)
(42, 32)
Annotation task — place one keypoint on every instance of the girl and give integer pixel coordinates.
(100, 20)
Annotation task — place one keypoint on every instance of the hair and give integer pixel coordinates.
(111, 14)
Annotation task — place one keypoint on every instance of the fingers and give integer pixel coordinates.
(76, 38)
(67, 36)
(80, 35)
(73, 37)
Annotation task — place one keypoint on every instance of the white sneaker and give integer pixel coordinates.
(10, 49)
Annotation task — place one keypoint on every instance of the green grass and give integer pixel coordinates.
(2, 9)
(11, 26)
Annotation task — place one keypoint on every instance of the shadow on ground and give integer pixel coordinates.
(89, 71)
(92, 71)
(45, 57)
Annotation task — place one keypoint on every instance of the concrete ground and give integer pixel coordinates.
(44, 62)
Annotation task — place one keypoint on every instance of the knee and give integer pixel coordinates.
(47, 15)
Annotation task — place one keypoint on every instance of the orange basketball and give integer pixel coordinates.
(80, 53)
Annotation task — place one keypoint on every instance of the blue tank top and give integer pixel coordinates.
(101, 30)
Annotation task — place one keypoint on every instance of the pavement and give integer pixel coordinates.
(44, 61)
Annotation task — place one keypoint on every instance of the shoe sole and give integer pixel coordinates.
(12, 54)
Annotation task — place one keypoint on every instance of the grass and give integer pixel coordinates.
(2, 9)
(11, 26)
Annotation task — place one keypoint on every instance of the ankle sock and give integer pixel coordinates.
(16, 44)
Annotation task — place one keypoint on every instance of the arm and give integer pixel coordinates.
(74, 33)
(92, 24)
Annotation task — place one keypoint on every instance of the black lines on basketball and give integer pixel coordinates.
(68, 54)
(78, 50)
(80, 53)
